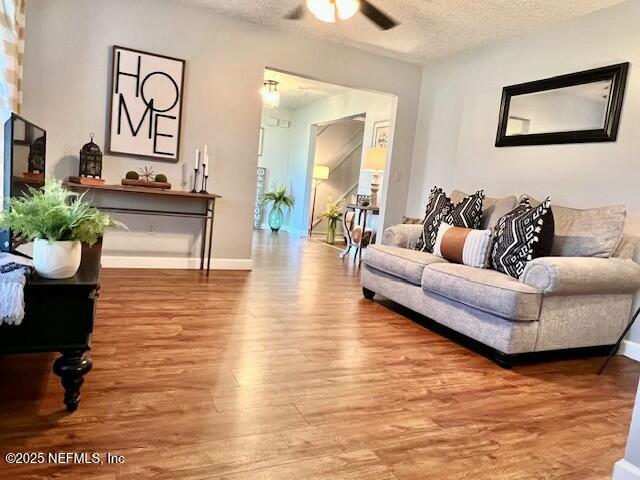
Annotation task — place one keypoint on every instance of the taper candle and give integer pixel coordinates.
(197, 165)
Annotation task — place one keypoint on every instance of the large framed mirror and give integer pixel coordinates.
(575, 108)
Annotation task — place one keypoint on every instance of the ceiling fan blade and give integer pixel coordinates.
(296, 14)
(381, 19)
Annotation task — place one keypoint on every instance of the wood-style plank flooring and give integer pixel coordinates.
(288, 373)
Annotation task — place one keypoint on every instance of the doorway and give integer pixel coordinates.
(336, 169)
(308, 125)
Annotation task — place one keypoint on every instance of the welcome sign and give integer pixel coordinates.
(146, 104)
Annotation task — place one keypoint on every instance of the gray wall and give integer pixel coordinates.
(458, 119)
(66, 74)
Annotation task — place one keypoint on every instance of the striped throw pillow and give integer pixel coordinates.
(463, 245)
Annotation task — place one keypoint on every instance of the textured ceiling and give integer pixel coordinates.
(429, 28)
(296, 92)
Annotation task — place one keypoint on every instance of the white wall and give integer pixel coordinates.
(66, 70)
(629, 467)
(459, 113)
(275, 149)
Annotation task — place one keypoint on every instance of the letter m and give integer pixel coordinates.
(122, 107)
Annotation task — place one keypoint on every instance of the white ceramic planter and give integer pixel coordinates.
(56, 260)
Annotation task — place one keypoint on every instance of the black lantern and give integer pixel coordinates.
(90, 160)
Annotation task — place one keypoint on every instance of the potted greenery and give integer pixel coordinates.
(333, 214)
(57, 221)
(278, 198)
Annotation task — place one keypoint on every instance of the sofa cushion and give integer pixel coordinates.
(487, 290)
(593, 232)
(400, 262)
(493, 209)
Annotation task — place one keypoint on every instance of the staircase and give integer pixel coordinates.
(339, 147)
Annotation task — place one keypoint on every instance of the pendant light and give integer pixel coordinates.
(270, 94)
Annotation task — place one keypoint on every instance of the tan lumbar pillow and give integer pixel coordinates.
(463, 245)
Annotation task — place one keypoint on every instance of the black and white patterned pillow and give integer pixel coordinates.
(521, 235)
(438, 207)
(467, 213)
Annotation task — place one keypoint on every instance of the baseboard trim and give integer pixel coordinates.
(630, 349)
(180, 263)
(623, 470)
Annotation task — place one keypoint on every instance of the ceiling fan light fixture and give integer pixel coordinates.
(347, 8)
(323, 10)
(270, 94)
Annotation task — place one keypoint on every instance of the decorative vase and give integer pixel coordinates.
(331, 232)
(275, 219)
(56, 260)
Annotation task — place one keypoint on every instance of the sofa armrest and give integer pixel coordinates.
(582, 275)
(402, 235)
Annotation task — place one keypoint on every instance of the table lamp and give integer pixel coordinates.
(374, 161)
(320, 172)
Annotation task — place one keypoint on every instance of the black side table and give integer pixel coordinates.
(361, 221)
(615, 348)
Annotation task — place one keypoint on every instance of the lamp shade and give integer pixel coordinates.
(375, 158)
(320, 172)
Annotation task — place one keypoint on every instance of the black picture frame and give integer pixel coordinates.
(108, 135)
(617, 74)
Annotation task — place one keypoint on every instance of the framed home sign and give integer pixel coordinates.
(146, 104)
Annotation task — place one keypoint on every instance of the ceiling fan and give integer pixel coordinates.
(330, 10)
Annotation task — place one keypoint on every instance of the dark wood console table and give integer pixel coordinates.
(207, 213)
(59, 317)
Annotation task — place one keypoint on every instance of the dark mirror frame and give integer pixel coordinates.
(616, 73)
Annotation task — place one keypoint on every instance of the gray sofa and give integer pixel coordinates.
(579, 298)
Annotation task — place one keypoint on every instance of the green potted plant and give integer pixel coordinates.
(278, 198)
(333, 214)
(57, 221)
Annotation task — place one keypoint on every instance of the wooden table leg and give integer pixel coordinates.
(71, 368)
(205, 222)
(212, 205)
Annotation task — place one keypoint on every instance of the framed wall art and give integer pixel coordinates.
(381, 134)
(146, 104)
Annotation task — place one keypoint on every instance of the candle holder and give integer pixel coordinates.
(195, 180)
(205, 177)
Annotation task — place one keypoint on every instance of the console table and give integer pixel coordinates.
(59, 317)
(207, 213)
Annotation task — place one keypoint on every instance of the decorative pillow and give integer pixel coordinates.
(463, 245)
(468, 212)
(438, 207)
(521, 235)
(493, 209)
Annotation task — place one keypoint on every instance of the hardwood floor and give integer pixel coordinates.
(288, 373)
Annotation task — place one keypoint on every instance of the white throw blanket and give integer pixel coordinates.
(12, 290)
